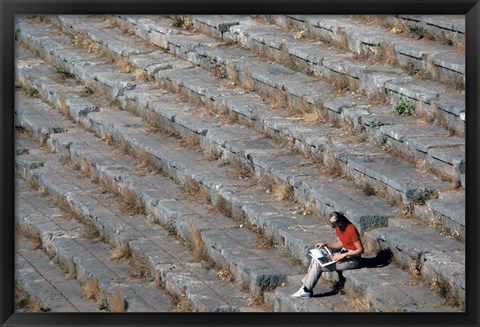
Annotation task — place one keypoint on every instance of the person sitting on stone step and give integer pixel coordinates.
(348, 239)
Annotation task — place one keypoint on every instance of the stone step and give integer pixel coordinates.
(215, 136)
(270, 267)
(325, 193)
(87, 259)
(295, 232)
(394, 290)
(405, 188)
(326, 298)
(172, 265)
(161, 147)
(376, 121)
(322, 60)
(443, 62)
(43, 280)
(444, 29)
(367, 212)
(222, 59)
(443, 207)
(419, 249)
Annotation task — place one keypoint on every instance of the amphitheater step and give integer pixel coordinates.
(394, 290)
(397, 136)
(413, 245)
(87, 260)
(173, 266)
(222, 59)
(90, 143)
(340, 198)
(442, 61)
(451, 27)
(40, 278)
(325, 299)
(237, 194)
(282, 46)
(420, 193)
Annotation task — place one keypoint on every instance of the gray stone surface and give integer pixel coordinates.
(99, 215)
(425, 91)
(394, 290)
(275, 219)
(451, 205)
(403, 133)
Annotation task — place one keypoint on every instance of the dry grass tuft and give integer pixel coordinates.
(223, 207)
(332, 166)
(226, 275)
(123, 65)
(183, 22)
(194, 191)
(30, 233)
(87, 171)
(197, 245)
(141, 268)
(358, 304)
(341, 41)
(107, 138)
(460, 46)
(415, 268)
(386, 55)
(276, 99)
(446, 291)
(247, 81)
(265, 242)
(121, 252)
(371, 246)
(368, 189)
(213, 154)
(131, 204)
(232, 73)
(454, 83)
(228, 117)
(183, 304)
(156, 126)
(68, 267)
(38, 19)
(32, 183)
(240, 171)
(283, 192)
(116, 302)
(341, 83)
(23, 300)
(91, 289)
(90, 231)
(257, 300)
(190, 142)
(145, 161)
(88, 44)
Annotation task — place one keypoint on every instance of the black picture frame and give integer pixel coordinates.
(469, 8)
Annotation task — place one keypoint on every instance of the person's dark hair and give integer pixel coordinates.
(337, 219)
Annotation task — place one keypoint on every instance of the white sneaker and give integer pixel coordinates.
(301, 293)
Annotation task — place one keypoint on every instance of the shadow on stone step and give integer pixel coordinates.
(382, 259)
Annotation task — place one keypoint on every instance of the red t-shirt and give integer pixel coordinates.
(348, 237)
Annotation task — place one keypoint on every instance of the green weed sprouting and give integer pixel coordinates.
(415, 29)
(405, 107)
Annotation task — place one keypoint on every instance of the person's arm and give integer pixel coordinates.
(349, 253)
(333, 245)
